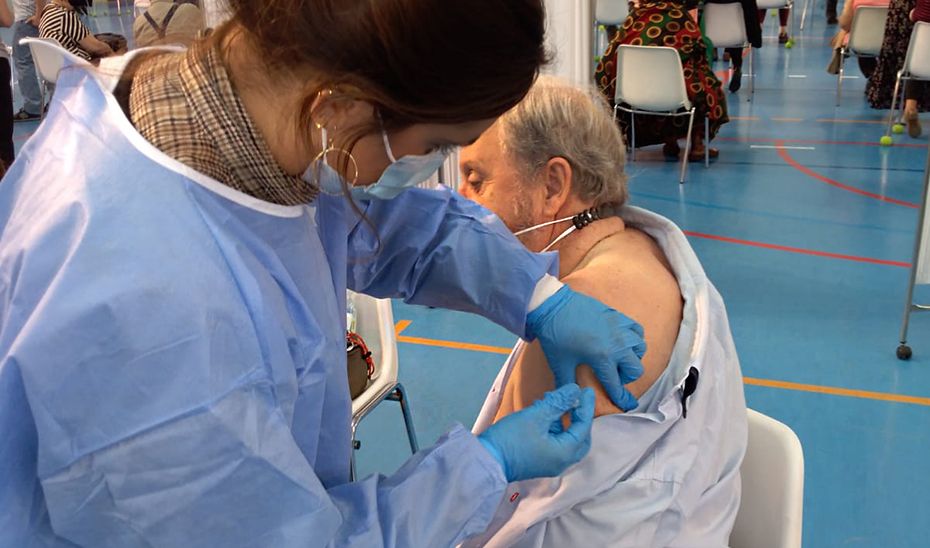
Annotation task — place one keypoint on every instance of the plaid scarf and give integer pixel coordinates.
(185, 105)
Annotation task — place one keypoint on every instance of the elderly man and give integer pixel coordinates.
(667, 472)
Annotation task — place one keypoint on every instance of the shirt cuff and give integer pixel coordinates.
(545, 288)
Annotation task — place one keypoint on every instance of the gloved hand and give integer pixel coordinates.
(532, 443)
(575, 329)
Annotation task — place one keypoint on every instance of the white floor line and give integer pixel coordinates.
(797, 76)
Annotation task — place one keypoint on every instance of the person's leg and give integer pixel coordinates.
(6, 113)
(911, 91)
(783, 15)
(761, 17)
(867, 65)
(26, 71)
(831, 12)
(736, 79)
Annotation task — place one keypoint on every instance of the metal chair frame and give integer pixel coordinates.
(376, 325)
(685, 108)
(850, 48)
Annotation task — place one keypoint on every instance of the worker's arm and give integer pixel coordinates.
(161, 420)
(434, 247)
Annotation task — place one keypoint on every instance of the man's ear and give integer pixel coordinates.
(557, 174)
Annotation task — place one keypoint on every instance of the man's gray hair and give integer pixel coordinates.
(559, 119)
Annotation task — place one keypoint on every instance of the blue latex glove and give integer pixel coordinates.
(532, 443)
(575, 329)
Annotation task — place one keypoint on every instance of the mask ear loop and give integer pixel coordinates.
(579, 221)
(384, 138)
(326, 149)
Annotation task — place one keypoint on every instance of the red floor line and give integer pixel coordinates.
(779, 146)
(799, 250)
(811, 142)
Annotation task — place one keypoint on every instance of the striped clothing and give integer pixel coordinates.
(921, 11)
(64, 26)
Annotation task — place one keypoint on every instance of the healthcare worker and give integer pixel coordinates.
(177, 238)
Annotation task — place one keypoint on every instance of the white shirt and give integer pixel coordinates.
(23, 9)
(653, 477)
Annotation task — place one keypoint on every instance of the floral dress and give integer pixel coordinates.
(894, 48)
(669, 24)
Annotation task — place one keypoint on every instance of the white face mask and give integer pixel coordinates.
(402, 174)
(579, 221)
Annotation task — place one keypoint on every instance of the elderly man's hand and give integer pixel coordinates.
(574, 329)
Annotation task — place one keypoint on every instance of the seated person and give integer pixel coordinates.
(667, 472)
(841, 38)
(61, 22)
(661, 23)
(168, 22)
(753, 35)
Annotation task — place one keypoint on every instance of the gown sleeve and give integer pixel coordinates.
(433, 247)
(160, 417)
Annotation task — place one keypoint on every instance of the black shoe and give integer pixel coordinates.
(736, 79)
(23, 116)
(782, 37)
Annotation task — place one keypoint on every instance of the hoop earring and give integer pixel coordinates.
(327, 149)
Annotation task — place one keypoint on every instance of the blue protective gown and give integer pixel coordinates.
(173, 366)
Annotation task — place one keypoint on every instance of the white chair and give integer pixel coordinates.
(607, 12)
(375, 324)
(725, 26)
(865, 39)
(772, 474)
(916, 66)
(50, 58)
(650, 81)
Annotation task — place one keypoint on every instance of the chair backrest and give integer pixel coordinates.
(724, 25)
(771, 4)
(50, 57)
(772, 474)
(650, 78)
(917, 62)
(867, 31)
(611, 12)
(375, 323)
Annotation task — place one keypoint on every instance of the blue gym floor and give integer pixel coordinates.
(806, 226)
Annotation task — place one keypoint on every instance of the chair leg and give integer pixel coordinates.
(706, 141)
(894, 102)
(632, 137)
(839, 76)
(400, 395)
(687, 154)
(352, 450)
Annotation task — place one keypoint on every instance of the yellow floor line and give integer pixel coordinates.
(776, 119)
(784, 385)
